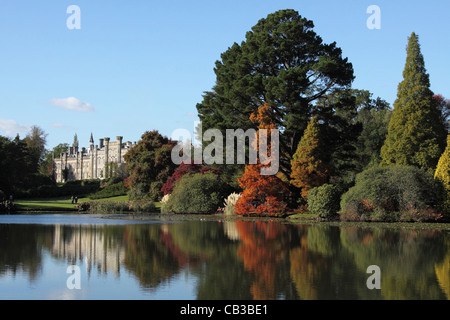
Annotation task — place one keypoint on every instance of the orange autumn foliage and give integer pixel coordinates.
(263, 247)
(262, 194)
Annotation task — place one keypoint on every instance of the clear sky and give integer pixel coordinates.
(138, 65)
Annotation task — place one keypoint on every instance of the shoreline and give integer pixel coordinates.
(286, 220)
(220, 217)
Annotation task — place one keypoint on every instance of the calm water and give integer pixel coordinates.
(203, 260)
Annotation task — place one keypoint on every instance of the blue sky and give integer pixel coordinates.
(142, 65)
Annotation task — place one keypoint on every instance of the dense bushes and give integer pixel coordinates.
(197, 193)
(324, 201)
(183, 169)
(142, 206)
(394, 193)
(107, 207)
(109, 191)
(70, 188)
(102, 207)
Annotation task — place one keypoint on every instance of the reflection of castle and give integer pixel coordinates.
(89, 244)
(95, 163)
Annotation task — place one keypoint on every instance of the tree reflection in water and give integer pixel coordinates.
(244, 259)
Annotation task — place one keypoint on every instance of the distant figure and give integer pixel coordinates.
(73, 198)
(11, 198)
(76, 199)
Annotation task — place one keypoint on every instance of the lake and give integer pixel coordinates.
(82, 257)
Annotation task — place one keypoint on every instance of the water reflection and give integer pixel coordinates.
(238, 259)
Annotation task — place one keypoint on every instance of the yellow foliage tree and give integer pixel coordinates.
(309, 170)
(443, 174)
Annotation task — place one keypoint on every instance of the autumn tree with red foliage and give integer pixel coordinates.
(263, 248)
(262, 194)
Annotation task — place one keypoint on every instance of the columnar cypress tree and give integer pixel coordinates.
(416, 135)
(309, 169)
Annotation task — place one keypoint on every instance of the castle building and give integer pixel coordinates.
(97, 162)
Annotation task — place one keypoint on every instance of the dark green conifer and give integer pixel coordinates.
(416, 135)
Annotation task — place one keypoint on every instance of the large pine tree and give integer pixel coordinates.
(416, 135)
(283, 62)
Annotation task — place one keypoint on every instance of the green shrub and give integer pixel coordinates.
(142, 191)
(70, 188)
(142, 206)
(109, 207)
(102, 207)
(394, 193)
(83, 207)
(197, 193)
(111, 190)
(155, 191)
(324, 201)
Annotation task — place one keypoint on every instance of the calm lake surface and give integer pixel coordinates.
(44, 256)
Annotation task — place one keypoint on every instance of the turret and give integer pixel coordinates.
(91, 143)
(119, 149)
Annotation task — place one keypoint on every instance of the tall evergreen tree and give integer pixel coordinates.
(17, 164)
(282, 62)
(374, 116)
(36, 140)
(416, 134)
(309, 170)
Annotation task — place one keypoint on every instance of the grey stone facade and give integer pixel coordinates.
(97, 162)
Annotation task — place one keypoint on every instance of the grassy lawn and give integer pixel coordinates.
(302, 216)
(63, 203)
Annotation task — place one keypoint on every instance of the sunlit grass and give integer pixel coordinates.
(302, 216)
(62, 203)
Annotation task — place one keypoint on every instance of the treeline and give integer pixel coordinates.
(332, 136)
(339, 146)
(26, 171)
(23, 164)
